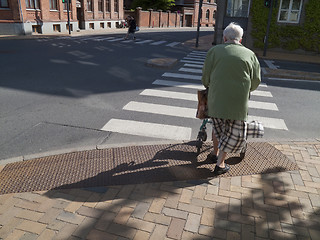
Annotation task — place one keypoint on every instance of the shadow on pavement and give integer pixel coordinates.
(265, 208)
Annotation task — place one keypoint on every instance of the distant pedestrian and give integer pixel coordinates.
(230, 72)
(132, 27)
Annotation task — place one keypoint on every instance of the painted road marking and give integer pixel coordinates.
(158, 43)
(194, 97)
(116, 39)
(270, 64)
(148, 129)
(263, 105)
(192, 58)
(193, 65)
(179, 75)
(261, 93)
(169, 94)
(189, 61)
(178, 84)
(275, 123)
(145, 41)
(190, 70)
(172, 44)
(161, 109)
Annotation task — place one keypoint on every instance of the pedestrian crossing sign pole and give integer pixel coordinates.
(68, 13)
(269, 4)
(199, 18)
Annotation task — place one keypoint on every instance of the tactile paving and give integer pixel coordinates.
(133, 165)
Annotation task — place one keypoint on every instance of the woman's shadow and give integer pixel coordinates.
(174, 163)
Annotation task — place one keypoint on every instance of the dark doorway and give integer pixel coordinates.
(188, 20)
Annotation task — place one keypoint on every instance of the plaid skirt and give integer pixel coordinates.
(232, 134)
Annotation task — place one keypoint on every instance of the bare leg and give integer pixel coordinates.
(221, 158)
(215, 144)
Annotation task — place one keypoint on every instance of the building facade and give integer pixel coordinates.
(49, 16)
(190, 11)
(293, 24)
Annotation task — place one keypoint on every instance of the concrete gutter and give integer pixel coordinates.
(291, 74)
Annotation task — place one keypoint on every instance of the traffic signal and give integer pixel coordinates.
(267, 3)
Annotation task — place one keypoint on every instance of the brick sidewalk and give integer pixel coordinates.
(265, 206)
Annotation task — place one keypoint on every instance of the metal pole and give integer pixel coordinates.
(267, 32)
(21, 13)
(198, 27)
(68, 7)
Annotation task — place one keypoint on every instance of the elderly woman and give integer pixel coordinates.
(230, 72)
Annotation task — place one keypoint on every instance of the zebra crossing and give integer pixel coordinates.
(182, 86)
(85, 39)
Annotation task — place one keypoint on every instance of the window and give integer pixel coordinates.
(238, 8)
(100, 5)
(107, 5)
(32, 4)
(116, 5)
(53, 4)
(214, 14)
(4, 4)
(207, 14)
(289, 11)
(89, 3)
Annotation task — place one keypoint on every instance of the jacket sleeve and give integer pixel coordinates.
(256, 74)
(207, 68)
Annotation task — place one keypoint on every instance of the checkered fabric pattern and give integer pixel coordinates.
(232, 134)
(255, 129)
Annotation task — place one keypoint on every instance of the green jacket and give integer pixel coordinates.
(230, 71)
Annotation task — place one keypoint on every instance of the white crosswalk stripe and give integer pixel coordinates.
(193, 64)
(179, 75)
(83, 39)
(261, 93)
(161, 109)
(169, 94)
(191, 70)
(173, 44)
(158, 43)
(178, 84)
(274, 123)
(193, 97)
(196, 56)
(191, 61)
(183, 112)
(115, 40)
(148, 129)
(144, 41)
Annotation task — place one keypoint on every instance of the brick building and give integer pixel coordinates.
(48, 16)
(190, 11)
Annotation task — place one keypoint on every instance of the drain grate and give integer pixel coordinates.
(134, 164)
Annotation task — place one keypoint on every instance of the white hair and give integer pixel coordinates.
(233, 32)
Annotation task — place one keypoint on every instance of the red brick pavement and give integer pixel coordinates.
(264, 206)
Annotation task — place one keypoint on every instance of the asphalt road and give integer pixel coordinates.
(58, 93)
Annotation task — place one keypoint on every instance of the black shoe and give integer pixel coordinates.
(219, 170)
(212, 158)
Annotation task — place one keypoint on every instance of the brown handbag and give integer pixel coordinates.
(202, 111)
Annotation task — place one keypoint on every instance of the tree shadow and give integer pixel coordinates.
(270, 210)
(119, 211)
(262, 206)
